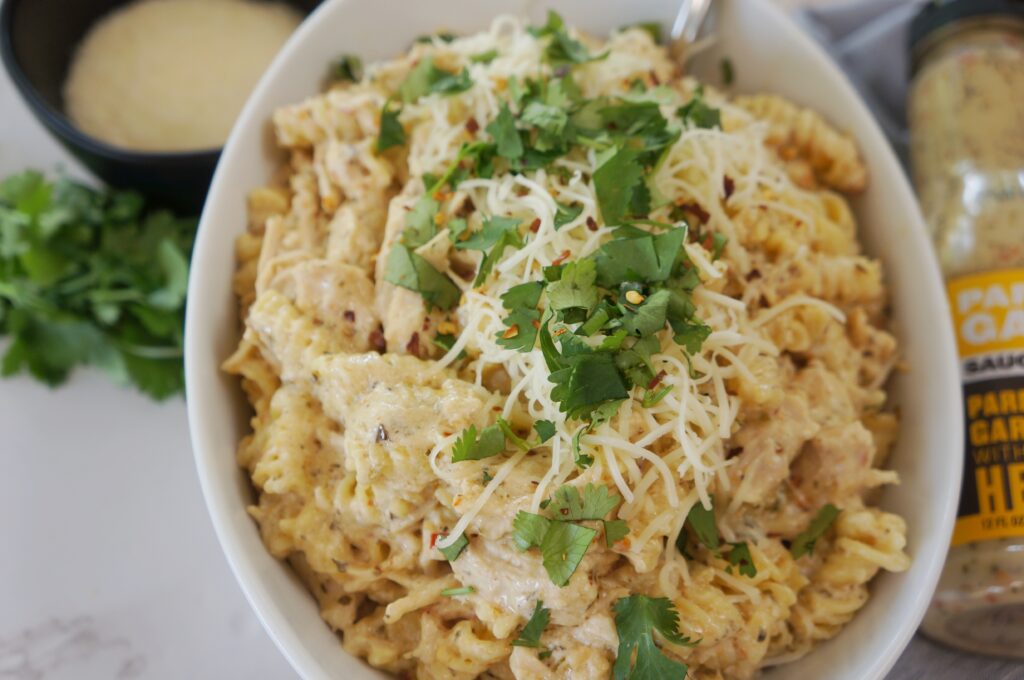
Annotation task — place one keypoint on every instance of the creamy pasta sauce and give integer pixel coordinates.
(453, 514)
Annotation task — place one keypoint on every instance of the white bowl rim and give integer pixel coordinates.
(222, 504)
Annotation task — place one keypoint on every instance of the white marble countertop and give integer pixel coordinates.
(109, 566)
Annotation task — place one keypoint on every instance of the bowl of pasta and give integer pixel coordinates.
(513, 351)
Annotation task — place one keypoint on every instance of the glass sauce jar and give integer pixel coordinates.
(966, 114)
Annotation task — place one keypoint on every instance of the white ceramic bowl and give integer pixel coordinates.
(769, 54)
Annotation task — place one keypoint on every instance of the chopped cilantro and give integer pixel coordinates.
(561, 540)
(739, 557)
(804, 543)
(521, 301)
(718, 242)
(616, 181)
(562, 49)
(651, 398)
(348, 67)
(528, 529)
(443, 36)
(575, 288)
(420, 226)
(407, 269)
(391, 131)
(452, 552)
(506, 136)
(702, 521)
(545, 429)
(566, 214)
(456, 592)
(529, 636)
(511, 435)
(445, 342)
(425, 78)
(490, 233)
(484, 57)
(469, 446)
(637, 617)
(699, 114)
(567, 503)
(728, 74)
(691, 334)
(563, 548)
(614, 531)
(456, 228)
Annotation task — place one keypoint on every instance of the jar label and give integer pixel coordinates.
(988, 314)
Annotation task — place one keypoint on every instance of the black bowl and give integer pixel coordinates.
(37, 41)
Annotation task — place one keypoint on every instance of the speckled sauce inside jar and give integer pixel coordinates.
(966, 111)
(966, 114)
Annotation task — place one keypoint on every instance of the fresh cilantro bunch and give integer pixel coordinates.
(87, 277)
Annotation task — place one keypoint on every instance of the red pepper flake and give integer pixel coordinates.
(561, 258)
(654, 77)
(536, 324)
(694, 208)
(413, 346)
(733, 452)
(512, 332)
(560, 331)
(656, 379)
(434, 536)
(377, 341)
(349, 315)
(591, 223)
(535, 225)
(472, 126)
(728, 186)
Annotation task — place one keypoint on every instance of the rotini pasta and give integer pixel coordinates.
(415, 456)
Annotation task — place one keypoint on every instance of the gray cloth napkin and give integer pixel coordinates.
(868, 38)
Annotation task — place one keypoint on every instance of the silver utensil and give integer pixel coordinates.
(687, 27)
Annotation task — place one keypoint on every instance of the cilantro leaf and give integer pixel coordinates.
(522, 302)
(562, 49)
(739, 557)
(698, 114)
(506, 136)
(452, 552)
(490, 233)
(391, 131)
(528, 529)
(411, 271)
(804, 543)
(566, 214)
(567, 503)
(652, 398)
(545, 429)
(484, 57)
(637, 617)
(616, 181)
(563, 548)
(425, 78)
(511, 435)
(529, 636)
(691, 335)
(348, 67)
(468, 446)
(420, 226)
(575, 288)
(702, 521)
(614, 531)
(445, 342)
(650, 316)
